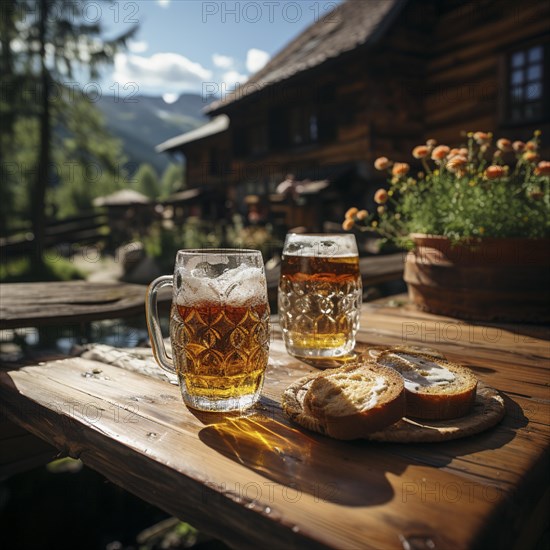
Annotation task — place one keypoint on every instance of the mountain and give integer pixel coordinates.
(142, 122)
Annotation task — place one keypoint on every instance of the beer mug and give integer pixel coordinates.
(219, 327)
(320, 293)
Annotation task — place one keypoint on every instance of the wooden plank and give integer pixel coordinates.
(37, 304)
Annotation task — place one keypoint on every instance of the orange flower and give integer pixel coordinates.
(381, 196)
(361, 215)
(400, 168)
(530, 156)
(440, 152)
(453, 152)
(504, 145)
(482, 137)
(348, 224)
(420, 151)
(518, 146)
(543, 168)
(531, 146)
(463, 151)
(350, 213)
(382, 163)
(494, 172)
(456, 163)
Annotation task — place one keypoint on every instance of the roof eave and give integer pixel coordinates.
(218, 107)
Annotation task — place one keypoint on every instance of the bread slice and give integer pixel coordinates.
(435, 388)
(355, 400)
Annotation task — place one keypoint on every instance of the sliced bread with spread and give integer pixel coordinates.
(435, 389)
(349, 402)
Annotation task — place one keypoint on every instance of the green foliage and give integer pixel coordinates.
(475, 191)
(146, 181)
(44, 42)
(55, 269)
(163, 242)
(90, 162)
(173, 179)
(252, 236)
(87, 162)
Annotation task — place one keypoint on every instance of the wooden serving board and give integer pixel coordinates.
(487, 412)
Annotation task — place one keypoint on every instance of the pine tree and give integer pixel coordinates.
(51, 41)
(173, 179)
(147, 181)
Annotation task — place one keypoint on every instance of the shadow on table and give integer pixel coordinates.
(442, 454)
(301, 462)
(349, 473)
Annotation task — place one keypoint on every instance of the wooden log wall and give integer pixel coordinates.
(465, 80)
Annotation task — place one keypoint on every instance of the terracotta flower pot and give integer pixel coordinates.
(486, 279)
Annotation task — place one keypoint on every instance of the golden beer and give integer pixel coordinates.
(219, 327)
(318, 301)
(220, 351)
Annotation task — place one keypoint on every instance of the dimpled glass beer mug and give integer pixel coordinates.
(219, 327)
(320, 295)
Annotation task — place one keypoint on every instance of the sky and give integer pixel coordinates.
(200, 46)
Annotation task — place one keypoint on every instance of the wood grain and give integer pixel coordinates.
(38, 304)
(259, 480)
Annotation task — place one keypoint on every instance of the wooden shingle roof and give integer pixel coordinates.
(351, 24)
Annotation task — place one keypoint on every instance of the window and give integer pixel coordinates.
(525, 86)
(312, 120)
(303, 125)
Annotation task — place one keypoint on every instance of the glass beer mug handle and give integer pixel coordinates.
(151, 314)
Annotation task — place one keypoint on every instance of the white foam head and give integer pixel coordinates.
(242, 286)
(321, 246)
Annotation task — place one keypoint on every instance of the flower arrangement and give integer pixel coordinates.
(480, 189)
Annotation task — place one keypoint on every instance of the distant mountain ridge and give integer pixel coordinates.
(142, 122)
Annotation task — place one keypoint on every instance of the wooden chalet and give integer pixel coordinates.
(373, 78)
(207, 154)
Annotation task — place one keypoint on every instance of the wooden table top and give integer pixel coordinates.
(49, 303)
(260, 481)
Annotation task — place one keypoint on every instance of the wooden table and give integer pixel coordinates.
(259, 481)
(55, 303)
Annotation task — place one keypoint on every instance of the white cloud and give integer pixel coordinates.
(163, 3)
(231, 78)
(138, 46)
(222, 61)
(256, 60)
(160, 73)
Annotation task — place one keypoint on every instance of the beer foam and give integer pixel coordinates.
(241, 286)
(319, 246)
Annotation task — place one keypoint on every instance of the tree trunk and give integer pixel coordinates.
(42, 174)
